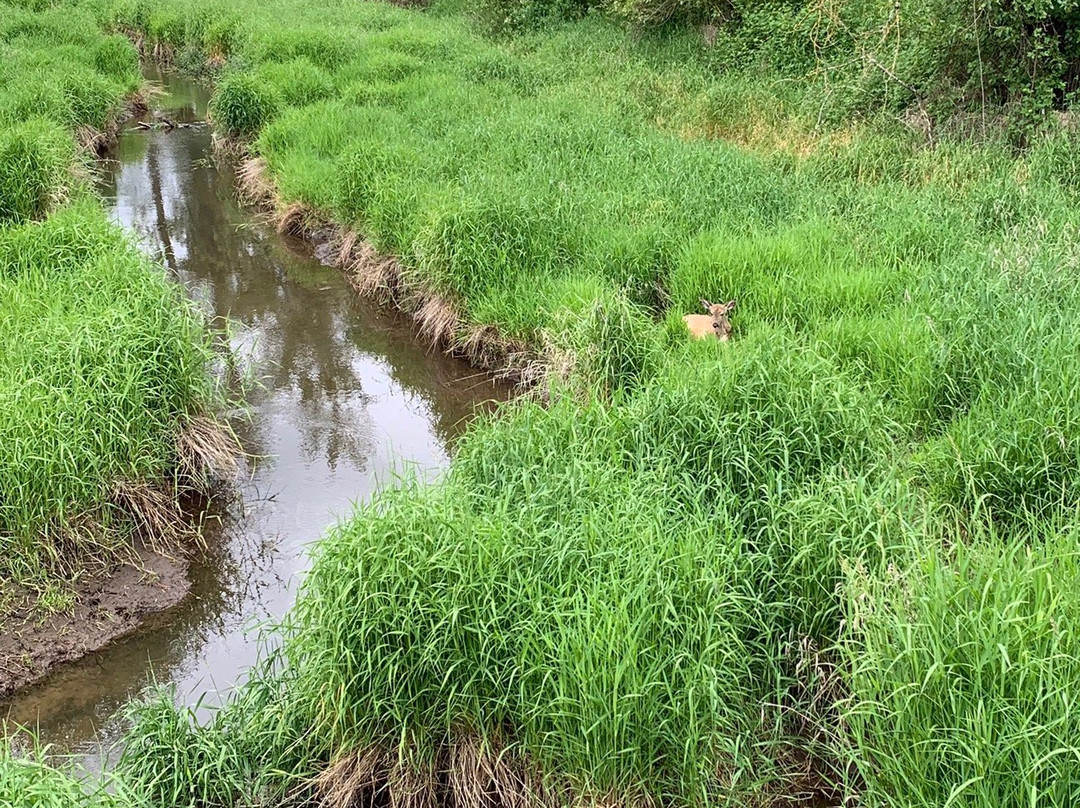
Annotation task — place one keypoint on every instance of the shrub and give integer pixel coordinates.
(505, 16)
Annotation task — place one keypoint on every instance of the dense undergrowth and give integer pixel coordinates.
(835, 556)
(102, 362)
(991, 66)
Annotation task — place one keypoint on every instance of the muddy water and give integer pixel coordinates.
(345, 399)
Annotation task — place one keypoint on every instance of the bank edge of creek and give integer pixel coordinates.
(112, 604)
(109, 605)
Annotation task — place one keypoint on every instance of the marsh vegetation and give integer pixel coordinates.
(104, 367)
(832, 558)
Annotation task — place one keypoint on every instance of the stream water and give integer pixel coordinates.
(347, 398)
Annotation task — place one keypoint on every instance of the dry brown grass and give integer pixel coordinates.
(253, 183)
(156, 514)
(91, 139)
(469, 773)
(293, 220)
(438, 320)
(353, 779)
(206, 449)
(370, 273)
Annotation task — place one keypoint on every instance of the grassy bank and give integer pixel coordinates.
(104, 364)
(29, 781)
(834, 557)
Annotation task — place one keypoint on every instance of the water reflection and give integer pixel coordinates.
(346, 397)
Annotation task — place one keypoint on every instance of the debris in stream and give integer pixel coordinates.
(165, 124)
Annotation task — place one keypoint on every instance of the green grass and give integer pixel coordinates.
(844, 537)
(963, 672)
(31, 782)
(35, 159)
(102, 360)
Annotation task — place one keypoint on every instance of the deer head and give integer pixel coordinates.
(721, 323)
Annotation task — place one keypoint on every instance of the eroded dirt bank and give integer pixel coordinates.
(108, 606)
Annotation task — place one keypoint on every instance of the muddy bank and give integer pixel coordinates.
(109, 602)
(108, 605)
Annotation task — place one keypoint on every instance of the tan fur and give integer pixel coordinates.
(700, 325)
(714, 324)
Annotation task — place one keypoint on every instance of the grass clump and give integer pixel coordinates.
(242, 105)
(104, 362)
(31, 781)
(35, 160)
(962, 672)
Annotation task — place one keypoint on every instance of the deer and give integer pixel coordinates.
(716, 322)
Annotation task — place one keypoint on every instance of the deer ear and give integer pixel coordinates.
(706, 304)
(731, 304)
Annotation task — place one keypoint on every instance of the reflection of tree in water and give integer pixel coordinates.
(160, 219)
(183, 205)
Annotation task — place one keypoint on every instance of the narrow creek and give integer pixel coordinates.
(346, 398)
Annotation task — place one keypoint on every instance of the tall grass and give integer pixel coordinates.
(35, 159)
(595, 591)
(31, 782)
(102, 360)
(839, 542)
(963, 673)
(58, 65)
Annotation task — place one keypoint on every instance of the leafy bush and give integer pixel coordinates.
(504, 16)
(939, 56)
(950, 55)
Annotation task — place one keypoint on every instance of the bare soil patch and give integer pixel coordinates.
(108, 605)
